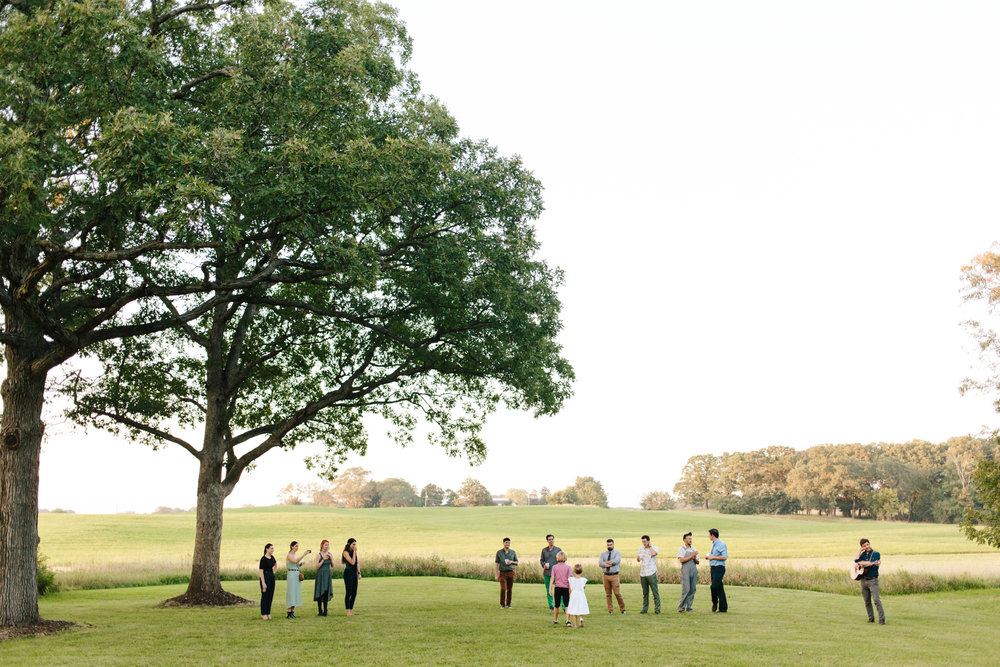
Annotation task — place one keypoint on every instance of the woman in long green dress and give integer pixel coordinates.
(323, 586)
(293, 589)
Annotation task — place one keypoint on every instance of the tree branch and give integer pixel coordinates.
(158, 21)
(60, 253)
(186, 88)
(195, 337)
(139, 426)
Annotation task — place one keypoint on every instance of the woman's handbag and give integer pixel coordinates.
(302, 577)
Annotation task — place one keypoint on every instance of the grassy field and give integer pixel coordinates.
(451, 621)
(109, 550)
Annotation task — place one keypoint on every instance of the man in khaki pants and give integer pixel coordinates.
(610, 562)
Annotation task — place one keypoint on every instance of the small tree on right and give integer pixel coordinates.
(982, 521)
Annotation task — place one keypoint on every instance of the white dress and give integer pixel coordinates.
(577, 598)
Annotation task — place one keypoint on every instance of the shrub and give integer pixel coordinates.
(46, 577)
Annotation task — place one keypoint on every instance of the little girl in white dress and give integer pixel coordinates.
(578, 607)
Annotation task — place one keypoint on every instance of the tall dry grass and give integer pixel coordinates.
(901, 582)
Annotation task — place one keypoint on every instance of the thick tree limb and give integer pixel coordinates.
(158, 21)
(152, 430)
(61, 253)
(186, 88)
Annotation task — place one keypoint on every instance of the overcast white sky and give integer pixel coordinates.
(762, 210)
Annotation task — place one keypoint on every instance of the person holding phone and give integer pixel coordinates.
(293, 588)
(352, 573)
(503, 571)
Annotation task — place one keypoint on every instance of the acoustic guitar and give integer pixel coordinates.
(856, 571)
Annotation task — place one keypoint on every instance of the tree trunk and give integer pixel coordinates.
(21, 430)
(205, 577)
(205, 586)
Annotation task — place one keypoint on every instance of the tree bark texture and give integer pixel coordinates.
(205, 586)
(23, 393)
(205, 577)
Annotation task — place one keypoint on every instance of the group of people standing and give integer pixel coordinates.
(562, 591)
(568, 593)
(322, 585)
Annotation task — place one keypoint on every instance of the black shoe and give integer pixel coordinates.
(882, 622)
(623, 611)
(871, 620)
(290, 615)
(723, 611)
(641, 612)
(657, 611)
(610, 612)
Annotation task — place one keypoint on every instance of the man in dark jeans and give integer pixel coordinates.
(869, 559)
(717, 566)
(503, 571)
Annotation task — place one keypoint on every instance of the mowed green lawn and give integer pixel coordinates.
(81, 541)
(428, 620)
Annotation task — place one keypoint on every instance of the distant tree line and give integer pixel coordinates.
(355, 488)
(914, 481)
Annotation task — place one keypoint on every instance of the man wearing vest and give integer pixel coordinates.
(610, 562)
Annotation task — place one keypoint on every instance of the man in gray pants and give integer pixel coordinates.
(688, 556)
(870, 559)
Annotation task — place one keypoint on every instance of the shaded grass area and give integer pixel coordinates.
(450, 621)
(141, 550)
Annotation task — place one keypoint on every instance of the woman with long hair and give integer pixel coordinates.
(293, 591)
(323, 585)
(352, 572)
(266, 572)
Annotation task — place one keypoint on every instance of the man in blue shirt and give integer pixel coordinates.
(610, 562)
(717, 566)
(870, 559)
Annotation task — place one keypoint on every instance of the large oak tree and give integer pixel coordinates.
(408, 285)
(104, 204)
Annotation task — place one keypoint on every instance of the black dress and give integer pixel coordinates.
(350, 582)
(267, 564)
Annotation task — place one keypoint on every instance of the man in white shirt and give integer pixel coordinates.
(647, 575)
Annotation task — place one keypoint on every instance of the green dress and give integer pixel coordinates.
(323, 585)
(293, 589)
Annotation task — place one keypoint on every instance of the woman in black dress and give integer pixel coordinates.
(266, 570)
(352, 572)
